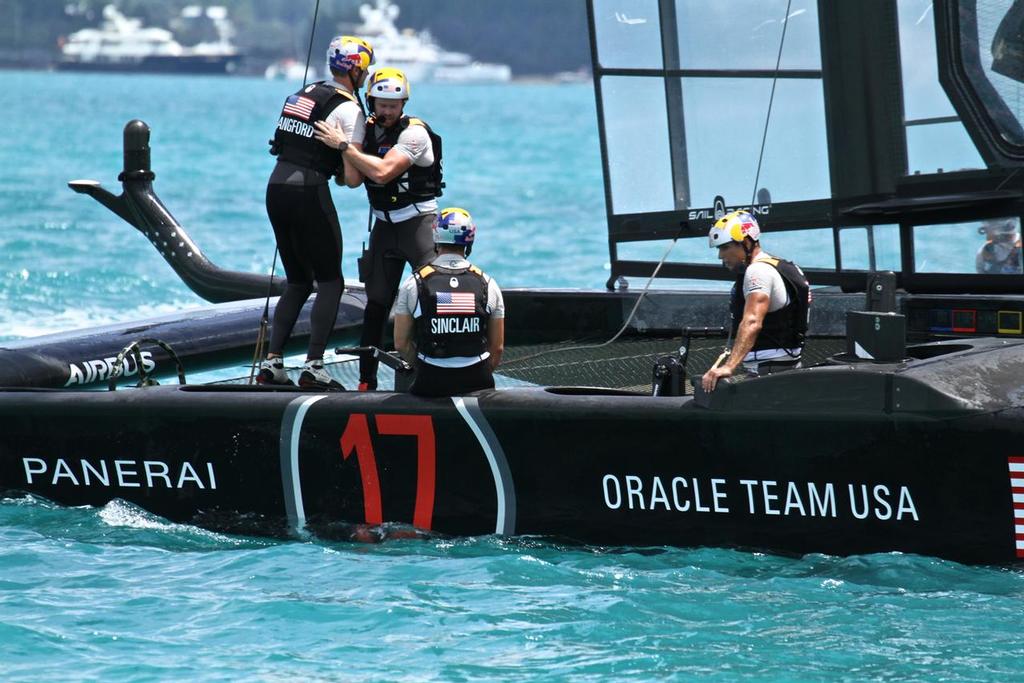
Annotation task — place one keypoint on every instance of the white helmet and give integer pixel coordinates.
(348, 52)
(733, 227)
(455, 226)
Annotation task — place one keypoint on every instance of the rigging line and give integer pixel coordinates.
(1007, 179)
(657, 268)
(312, 32)
(771, 99)
(629, 318)
(261, 336)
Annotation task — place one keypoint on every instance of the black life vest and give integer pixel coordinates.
(417, 184)
(453, 312)
(785, 328)
(293, 140)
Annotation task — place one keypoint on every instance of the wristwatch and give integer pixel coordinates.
(343, 146)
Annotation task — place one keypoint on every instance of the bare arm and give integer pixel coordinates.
(754, 311)
(353, 177)
(403, 336)
(495, 341)
(380, 171)
(334, 137)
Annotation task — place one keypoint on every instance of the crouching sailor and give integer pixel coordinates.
(450, 316)
(769, 304)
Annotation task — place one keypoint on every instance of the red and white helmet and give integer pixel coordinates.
(349, 52)
(733, 227)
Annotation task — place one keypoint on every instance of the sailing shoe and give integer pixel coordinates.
(272, 372)
(314, 376)
(367, 385)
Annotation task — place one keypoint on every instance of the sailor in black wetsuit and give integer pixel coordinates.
(302, 212)
(769, 305)
(401, 161)
(450, 316)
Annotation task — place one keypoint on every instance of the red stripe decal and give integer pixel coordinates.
(422, 427)
(357, 437)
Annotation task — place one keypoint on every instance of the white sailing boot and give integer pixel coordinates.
(314, 376)
(272, 372)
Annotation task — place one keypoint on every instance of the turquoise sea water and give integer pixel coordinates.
(117, 594)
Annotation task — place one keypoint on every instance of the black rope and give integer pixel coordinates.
(261, 336)
(771, 99)
(309, 50)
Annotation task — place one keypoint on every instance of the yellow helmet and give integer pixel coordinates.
(348, 52)
(733, 227)
(388, 83)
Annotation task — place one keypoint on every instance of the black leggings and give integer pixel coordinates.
(309, 240)
(392, 245)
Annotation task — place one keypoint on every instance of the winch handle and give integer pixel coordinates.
(144, 379)
(392, 360)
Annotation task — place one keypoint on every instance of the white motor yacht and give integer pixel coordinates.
(123, 44)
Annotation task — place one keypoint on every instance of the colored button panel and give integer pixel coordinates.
(940, 320)
(1010, 322)
(965, 321)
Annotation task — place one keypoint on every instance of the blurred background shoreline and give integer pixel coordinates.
(533, 40)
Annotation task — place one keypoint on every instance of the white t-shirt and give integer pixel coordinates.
(763, 277)
(408, 303)
(414, 143)
(350, 117)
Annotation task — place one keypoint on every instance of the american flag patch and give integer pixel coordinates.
(461, 302)
(298, 106)
(1017, 494)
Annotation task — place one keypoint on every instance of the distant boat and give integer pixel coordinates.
(418, 54)
(123, 44)
(291, 70)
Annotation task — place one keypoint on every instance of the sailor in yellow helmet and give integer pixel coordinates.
(401, 163)
(769, 303)
(450, 316)
(301, 210)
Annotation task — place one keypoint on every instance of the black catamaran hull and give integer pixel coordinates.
(895, 463)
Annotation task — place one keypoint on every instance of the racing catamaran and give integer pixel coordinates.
(903, 434)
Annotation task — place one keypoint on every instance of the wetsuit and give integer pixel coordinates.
(405, 210)
(302, 212)
(452, 355)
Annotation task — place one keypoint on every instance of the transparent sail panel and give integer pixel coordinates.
(870, 247)
(687, 250)
(941, 147)
(936, 145)
(923, 96)
(628, 34)
(724, 124)
(745, 34)
(808, 248)
(994, 247)
(1000, 45)
(636, 131)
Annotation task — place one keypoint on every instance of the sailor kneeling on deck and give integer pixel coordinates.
(450, 316)
(769, 304)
